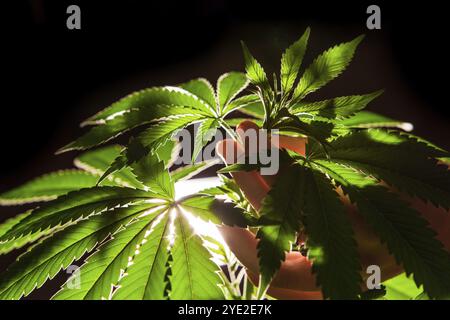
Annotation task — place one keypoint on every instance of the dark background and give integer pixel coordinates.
(54, 78)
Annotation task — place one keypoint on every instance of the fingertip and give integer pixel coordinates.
(295, 274)
(245, 130)
(253, 186)
(284, 293)
(296, 144)
(246, 125)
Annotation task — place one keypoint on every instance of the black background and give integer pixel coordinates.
(53, 78)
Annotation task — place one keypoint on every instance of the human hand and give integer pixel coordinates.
(294, 279)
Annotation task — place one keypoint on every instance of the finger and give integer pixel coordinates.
(243, 244)
(295, 274)
(286, 294)
(370, 249)
(241, 241)
(249, 134)
(251, 183)
(229, 151)
(295, 144)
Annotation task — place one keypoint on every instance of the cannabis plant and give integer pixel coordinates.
(118, 216)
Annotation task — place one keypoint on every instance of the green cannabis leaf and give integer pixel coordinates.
(387, 157)
(291, 62)
(325, 68)
(109, 223)
(161, 112)
(255, 72)
(59, 251)
(48, 187)
(340, 107)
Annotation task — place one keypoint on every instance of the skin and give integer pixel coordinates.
(294, 280)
